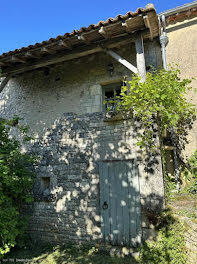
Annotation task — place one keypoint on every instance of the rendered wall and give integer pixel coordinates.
(182, 50)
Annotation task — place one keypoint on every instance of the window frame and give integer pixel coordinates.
(110, 87)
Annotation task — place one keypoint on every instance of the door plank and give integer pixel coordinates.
(106, 212)
(125, 205)
(132, 209)
(119, 216)
(104, 196)
(102, 200)
(138, 206)
(113, 203)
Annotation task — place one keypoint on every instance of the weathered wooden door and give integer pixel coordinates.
(120, 203)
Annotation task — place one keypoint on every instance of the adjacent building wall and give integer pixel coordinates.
(182, 50)
(64, 110)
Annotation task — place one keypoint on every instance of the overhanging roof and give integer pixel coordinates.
(106, 34)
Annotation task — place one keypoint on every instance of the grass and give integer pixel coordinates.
(168, 248)
(65, 255)
(184, 204)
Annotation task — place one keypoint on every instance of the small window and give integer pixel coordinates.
(110, 92)
(45, 186)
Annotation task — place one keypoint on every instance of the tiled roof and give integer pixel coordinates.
(80, 31)
(114, 32)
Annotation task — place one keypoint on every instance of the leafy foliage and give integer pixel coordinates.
(170, 244)
(16, 180)
(191, 175)
(170, 185)
(158, 103)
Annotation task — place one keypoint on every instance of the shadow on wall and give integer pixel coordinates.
(77, 154)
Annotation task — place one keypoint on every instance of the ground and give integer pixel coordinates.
(182, 206)
(65, 255)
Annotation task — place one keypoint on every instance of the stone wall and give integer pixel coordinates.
(64, 109)
(42, 96)
(69, 154)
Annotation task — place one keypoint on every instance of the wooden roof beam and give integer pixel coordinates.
(45, 50)
(83, 37)
(148, 25)
(103, 32)
(124, 24)
(133, 24)
(65, 44)
(30, 55)
(17, 59)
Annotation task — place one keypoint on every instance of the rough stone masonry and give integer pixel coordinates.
(64, 109)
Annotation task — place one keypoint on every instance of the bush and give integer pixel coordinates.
(190, 175)
(159, 103)
(16, 181)
(193, 165)
(170, 245)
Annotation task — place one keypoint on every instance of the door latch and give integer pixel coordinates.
(105, 205)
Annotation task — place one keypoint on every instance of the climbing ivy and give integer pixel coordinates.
(159, 103)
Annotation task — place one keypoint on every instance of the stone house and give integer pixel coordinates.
(92, 183)
(180, 29)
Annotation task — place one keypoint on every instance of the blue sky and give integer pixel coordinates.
(25, 22)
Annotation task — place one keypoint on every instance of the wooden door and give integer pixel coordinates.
(120, 203)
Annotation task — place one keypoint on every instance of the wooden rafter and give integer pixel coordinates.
(47, 50)
(84, 38)
(102, 32)
(65, 43)
(133, 23)
(148, 25)
(17, 59)
(30, 55)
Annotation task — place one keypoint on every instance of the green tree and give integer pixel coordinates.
(16, 181)
(159, 103)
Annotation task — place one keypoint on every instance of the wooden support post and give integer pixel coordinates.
(140, 57)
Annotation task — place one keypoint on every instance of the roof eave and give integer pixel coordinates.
(178, 9)
(81, 43)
